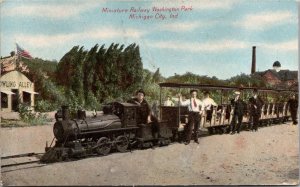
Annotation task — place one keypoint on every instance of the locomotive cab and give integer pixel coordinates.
(127, 112)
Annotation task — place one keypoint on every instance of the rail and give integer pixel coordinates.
(20, 156)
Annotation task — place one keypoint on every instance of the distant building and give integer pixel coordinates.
(276, 77)
(281, 78)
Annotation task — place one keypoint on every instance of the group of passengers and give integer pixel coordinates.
(196, 108)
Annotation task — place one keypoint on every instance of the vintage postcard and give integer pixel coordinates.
(128, 92)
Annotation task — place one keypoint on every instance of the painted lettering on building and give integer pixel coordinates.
(25, 84)
(8, 84)
(13, 84)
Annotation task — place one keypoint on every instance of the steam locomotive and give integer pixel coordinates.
(116, 129)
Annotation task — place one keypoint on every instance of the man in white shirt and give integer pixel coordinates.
(195, 109)
(208, 104)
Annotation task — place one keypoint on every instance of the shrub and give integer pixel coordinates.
(44, 106)
(28, 116)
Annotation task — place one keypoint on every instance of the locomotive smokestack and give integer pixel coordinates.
(65, 112)
(253, 68)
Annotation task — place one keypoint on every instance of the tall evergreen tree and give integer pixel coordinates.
(89, 66)
(104, 74)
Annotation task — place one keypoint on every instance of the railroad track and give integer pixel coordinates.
(10, 162)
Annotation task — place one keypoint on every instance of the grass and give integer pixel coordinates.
(7, 123)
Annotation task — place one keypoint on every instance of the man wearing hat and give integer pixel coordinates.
(195, 108)
(256, 104)
(238, 113)
(144, 112)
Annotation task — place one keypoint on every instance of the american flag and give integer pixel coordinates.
(23, 53)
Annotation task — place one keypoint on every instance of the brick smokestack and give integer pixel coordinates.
(253, 67)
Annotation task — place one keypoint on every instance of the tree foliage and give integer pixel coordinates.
(244, 80)
(191, 78)
(43, 73)
(101, 74)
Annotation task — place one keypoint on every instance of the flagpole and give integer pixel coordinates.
(17, 56)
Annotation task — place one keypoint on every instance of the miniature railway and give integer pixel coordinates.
(39, 155)
(118, 128)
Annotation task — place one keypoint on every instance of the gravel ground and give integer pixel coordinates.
(269, 156)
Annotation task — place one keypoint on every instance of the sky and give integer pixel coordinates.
(204, 37)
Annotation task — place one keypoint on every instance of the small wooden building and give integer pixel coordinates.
(15, 87)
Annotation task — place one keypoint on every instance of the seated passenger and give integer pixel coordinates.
(144, 112)
(208, 103)
(168, 102)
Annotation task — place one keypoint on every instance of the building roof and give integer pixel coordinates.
(14, 73)
(288, 75)
(283, 75)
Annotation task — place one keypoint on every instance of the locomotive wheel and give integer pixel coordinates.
(103, 146)
(122, 143)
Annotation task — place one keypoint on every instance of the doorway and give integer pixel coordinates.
(15, 100)
(27, 98)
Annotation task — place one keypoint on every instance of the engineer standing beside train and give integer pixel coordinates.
(255, 109)
(195, 109)
(144, 112)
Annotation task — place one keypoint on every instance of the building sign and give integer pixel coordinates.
(14, 84)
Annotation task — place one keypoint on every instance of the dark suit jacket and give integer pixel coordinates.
(293, 103)
(258, 102)
(239, 106)
(143, 110)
